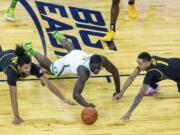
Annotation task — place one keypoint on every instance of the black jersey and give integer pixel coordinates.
(162, 68)
(8, 64)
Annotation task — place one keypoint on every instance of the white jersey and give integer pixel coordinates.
(70, 63)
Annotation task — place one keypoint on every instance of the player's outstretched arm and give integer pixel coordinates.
(114, 71)
(83, 73)
(128, 82)
(13, 93)
(136, 102)
(55, 90)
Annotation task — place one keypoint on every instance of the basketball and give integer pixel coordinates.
(89, 115)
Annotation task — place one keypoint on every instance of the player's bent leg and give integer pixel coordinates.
(62, 39)
(67, 45)
(132, 9)
(152, 90)
(44, 61)
(114, 15)
(114, 12)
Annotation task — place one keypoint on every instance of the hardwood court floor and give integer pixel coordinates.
(156, 30)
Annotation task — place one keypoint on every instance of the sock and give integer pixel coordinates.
(113, 27)
(13, 4)
(131, 2)
(58, 36)
(32, 52)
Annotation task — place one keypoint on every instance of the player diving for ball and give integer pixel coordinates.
(79, 63)
(16, 64)
(158, 69)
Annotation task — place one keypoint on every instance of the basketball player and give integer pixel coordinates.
(10, 12)
(17, 64)
(77, 62)
(114, 15)
(158, 69)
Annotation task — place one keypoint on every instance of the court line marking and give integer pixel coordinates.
(74, 77)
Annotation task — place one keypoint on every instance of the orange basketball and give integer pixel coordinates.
(89, 115)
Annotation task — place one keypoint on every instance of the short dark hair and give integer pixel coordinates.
(95, 59)
(23, 58)
(144, 56)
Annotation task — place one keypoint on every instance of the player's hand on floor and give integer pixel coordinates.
(91, 105)
(17, 121)
(117, 96)
(69, 102)
(126, 117)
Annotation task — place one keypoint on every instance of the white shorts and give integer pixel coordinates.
(69, 63)
(58, 68)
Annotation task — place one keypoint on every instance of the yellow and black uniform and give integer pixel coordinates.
(161, 69)
(8, 65)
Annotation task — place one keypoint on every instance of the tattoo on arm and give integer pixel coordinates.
(139, 97)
